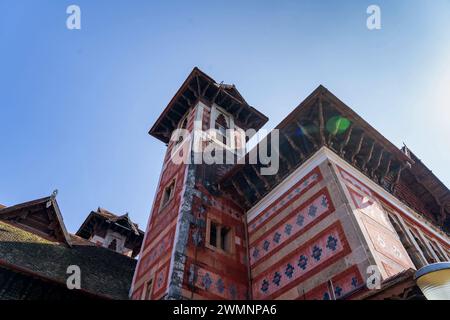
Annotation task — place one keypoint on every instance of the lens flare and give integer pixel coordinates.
(337, 125)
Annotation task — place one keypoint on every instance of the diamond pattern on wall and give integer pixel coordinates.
(219, 286)
(301, 187)
(312, 211)
(297, 266)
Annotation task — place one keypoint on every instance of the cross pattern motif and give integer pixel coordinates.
(319, 205)
(305, 260)
(305, 183)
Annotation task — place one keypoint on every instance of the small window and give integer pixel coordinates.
(183, 125)
(220, 237)
(148, 290)
(168, 194)
(225, 239)
(213, 235)
(113, 245)
(221, 126)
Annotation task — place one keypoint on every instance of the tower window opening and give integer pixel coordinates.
(168, 194)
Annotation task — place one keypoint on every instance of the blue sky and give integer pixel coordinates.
(76, 105)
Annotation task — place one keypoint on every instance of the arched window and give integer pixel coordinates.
(413, 253)
(113, 245)
(221, 125)
(183, 125)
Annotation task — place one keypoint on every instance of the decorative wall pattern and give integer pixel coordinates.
(355, 182)
(322, 250)
(161, 248)
(219, 287)
(371, 208)
(352, 181)
(343, 284)
(160, 281)
(380, 231)
(387, 244)
(299, 220)
(291, 195)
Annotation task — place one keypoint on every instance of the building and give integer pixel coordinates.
(343, 204)
(36, 252)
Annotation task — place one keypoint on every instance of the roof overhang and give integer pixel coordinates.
(200, 87)
(303, 132)
(47, 205)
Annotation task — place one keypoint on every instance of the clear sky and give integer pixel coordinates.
(76, 105)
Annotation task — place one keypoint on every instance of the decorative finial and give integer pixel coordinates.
(54, 193)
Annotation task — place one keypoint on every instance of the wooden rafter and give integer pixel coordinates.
(368, 157)
(199, 91)
(358, 148)
(306, 134)
(261, 177)
(346, 140)
(377, 163)
(240, 192)
(293, 145)
(194, 91)
(251, 184)
(321, 123)
(386, 171)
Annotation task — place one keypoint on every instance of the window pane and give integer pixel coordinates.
(225, 239)
(213, 235)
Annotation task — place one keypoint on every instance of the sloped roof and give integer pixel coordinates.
(103, 272)
(107, 219)
(199, 86)
(47, 206)
(315, 123)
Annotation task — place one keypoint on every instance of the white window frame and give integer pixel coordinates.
(231, 139)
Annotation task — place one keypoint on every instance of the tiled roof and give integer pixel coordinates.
(103, 272)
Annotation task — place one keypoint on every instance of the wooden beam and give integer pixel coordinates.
(219, 89)
(346, 140)
(251, 184)
(378, 162)
(187, 100)
(293, 145)
(205, 89)
(397, 177)
(247, 117)
(199, 91)
(194, 91)
(321, 123)
(220, 103)
(283, 158)
(260, 176)
(386, 171)
(239, 191)
(368, 157)
(306, 134)
(176, 112)
(238, 113)
(358, 148)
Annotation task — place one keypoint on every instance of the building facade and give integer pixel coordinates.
(343, 207)
(38, 254)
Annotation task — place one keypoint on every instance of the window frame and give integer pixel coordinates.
(230, 138)
(146, 294)
(163, 204)
(218, 247)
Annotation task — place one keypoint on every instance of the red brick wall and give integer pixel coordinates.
(157, 248)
